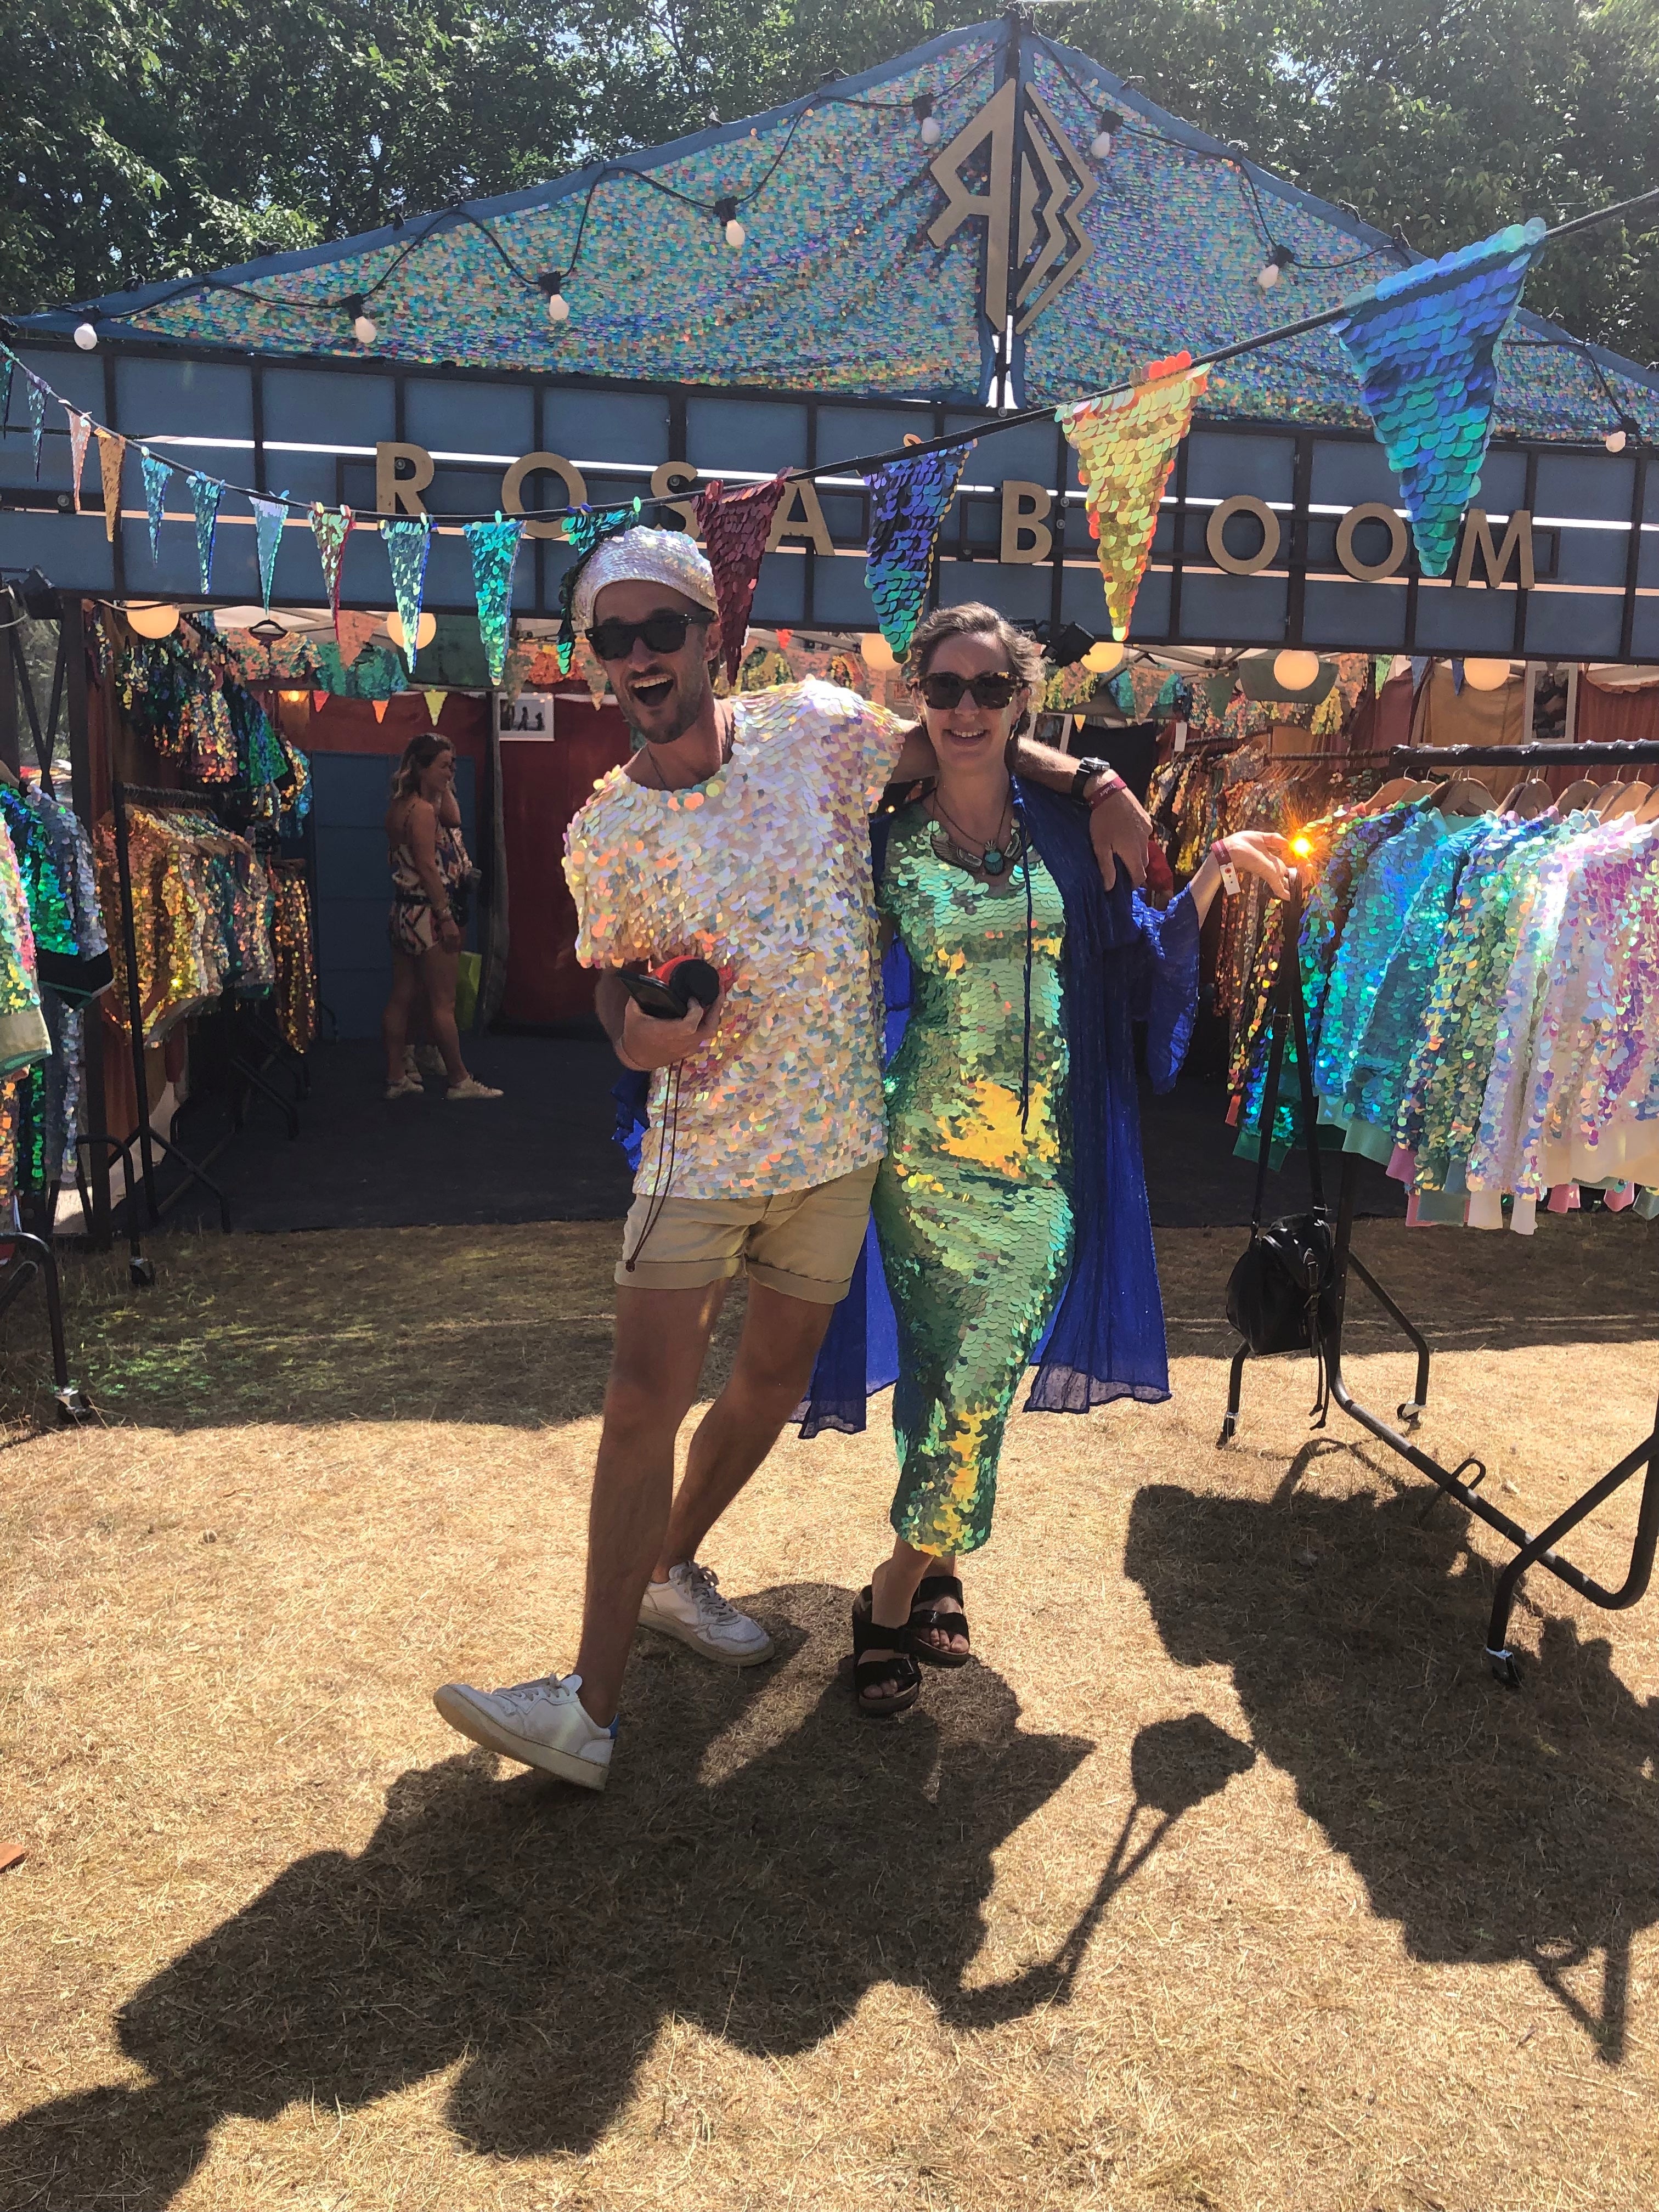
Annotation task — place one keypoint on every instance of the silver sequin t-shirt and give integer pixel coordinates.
(764, 869)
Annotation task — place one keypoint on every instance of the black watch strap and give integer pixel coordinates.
(1086, 770)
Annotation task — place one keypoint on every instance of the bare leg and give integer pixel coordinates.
(661, 1339)
(394, 1022)
(774, 1365)
(438, 974)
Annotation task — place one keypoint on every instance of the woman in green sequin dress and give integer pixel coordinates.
(971, 1202)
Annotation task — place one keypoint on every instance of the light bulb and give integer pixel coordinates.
(1486, 675)
(1100, 145)
(425, 631)
(1102, 659)
(877, 652)
(558, 307)
(735, 233)
(1267, 276)
(363, 330)
(1615, 442)
(85, 336)
(1296, 670)
(931, 133)
(154, 620)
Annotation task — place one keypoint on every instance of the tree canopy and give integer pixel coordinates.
(153, 138)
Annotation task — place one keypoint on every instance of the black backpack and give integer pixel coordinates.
(1281, 1295)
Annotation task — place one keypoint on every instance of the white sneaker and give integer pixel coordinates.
(542, 1724)
(689, 1605)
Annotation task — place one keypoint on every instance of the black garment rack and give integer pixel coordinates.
(144, 1140)
(1462, 1482)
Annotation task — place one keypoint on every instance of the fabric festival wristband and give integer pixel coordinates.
(1223, 860)
(1111, 781)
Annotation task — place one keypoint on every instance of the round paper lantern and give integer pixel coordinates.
(425, 631)
(153, 620)
(1296, 670)
(1102, 659)
(1486, 675)
(877, 652)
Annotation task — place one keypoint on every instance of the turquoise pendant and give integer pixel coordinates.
(994, 861)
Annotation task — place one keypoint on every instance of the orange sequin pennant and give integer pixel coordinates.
(1126, 445)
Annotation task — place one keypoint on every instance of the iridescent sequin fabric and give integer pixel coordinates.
(765, 869)
(974, 1220)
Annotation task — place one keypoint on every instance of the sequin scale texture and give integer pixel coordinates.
(1423, 342)
(840, 288)
(765, 869)
(972, 1210)
(1126, 446)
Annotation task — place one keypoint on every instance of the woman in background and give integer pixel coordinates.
(430, 873)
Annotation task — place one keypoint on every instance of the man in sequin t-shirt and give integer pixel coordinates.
(737, 833)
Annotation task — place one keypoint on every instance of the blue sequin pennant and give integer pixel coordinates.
(269, 516)
(1424, 343)
(908, 504)
(8, 363)
(495, 548)
(408, 542)
(205, 493)
(157, 475)
(37, 392)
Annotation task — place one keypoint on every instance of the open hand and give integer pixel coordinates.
(1261, 853)
(1119, 829)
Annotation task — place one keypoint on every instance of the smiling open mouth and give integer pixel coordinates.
(651, 690)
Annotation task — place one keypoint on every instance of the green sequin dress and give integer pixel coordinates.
(973, 1211)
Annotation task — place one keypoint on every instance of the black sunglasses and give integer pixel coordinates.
(945, 689)
(663, 632)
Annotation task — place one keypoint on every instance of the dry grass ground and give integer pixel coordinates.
(1228, 1877)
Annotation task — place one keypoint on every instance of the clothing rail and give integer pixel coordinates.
(1634, 753)
(1529, 1550)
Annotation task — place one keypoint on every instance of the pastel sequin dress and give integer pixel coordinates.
(972, 1208)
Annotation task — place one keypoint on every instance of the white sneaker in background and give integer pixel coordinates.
(542, 1724)
(470, 1088)
(411, 1087)
(689, 1605)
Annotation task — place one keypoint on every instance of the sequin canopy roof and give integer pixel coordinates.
(878, 217)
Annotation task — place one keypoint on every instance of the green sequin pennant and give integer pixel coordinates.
(407, 544)
(205, 493)
(495, 548)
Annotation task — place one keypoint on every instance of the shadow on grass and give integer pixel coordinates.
(762, 1859)
(1491, 1825)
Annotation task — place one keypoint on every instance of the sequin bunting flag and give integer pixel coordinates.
(584, 526)
(1126, 445)
(592, 672)
(1424, 343)
(907, 502)
(408, 542)
(495, 548)
(205, 493)
(37, 392)
(157, 475)
(735, 527)
(8, 363)
(112, 453)
(80, 430)
(269, 516)
(331, 531)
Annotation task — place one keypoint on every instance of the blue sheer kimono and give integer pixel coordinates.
(1124, 962)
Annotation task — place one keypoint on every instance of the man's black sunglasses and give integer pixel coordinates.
(944, 690)
(663, 632)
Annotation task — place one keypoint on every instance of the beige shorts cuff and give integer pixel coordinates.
(802, 1243)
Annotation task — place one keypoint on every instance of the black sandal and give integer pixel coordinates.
(924, 1617)
(899, 1667)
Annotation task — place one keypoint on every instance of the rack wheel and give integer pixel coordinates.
(142, 1274)
(72, 1409)
(1503, 1667)
(1411, 1412)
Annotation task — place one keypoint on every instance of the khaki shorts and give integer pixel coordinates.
(803, 1242)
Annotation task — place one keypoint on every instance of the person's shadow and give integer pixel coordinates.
(762, 1860)
(1490, 1824)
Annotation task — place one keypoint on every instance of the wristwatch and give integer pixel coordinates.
(1087, 769)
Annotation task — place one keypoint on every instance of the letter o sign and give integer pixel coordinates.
(1372, 572)
(1215, 535)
